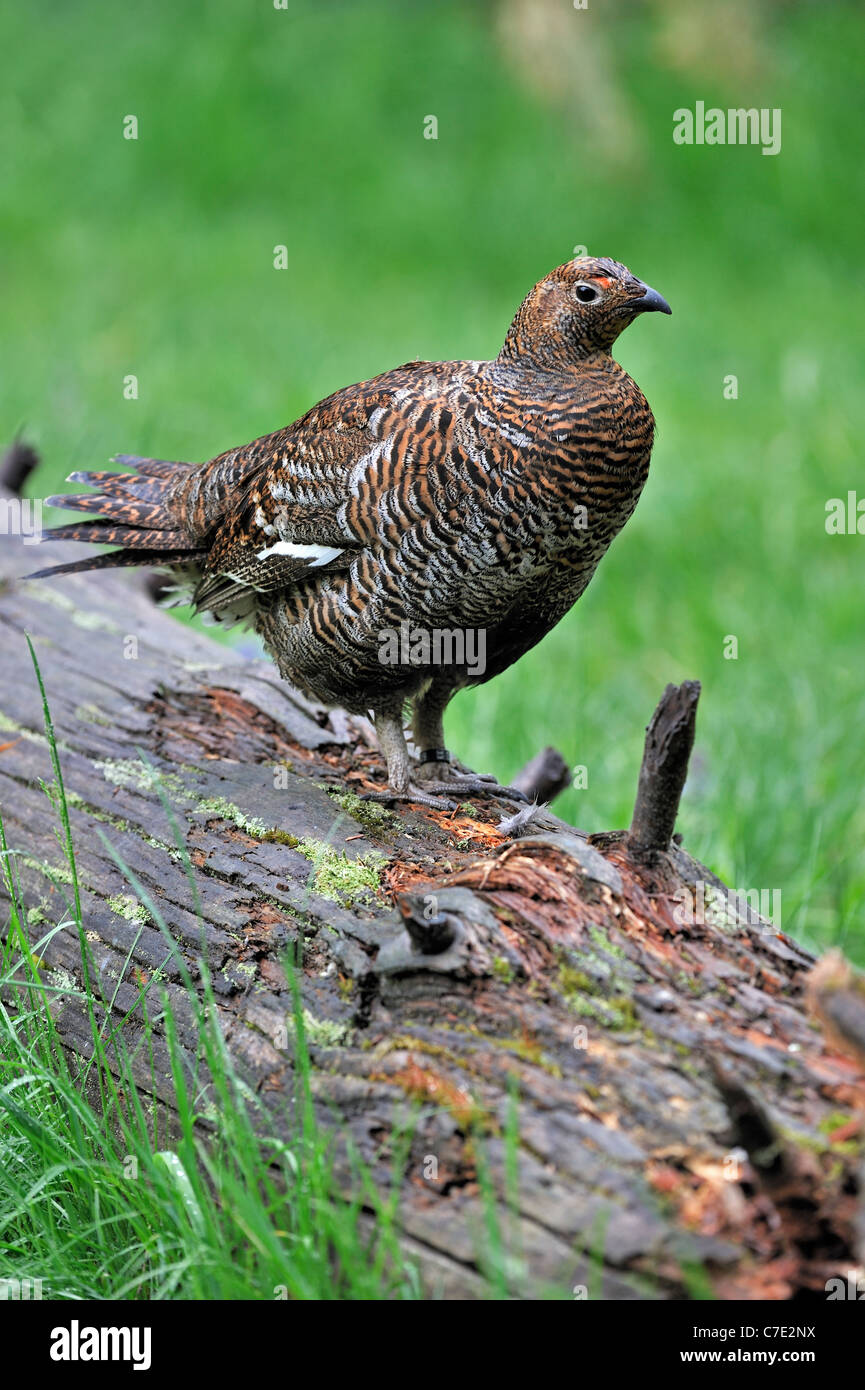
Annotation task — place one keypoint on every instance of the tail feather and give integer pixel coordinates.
(125, 485)
(136, 511)
(106, 533)
(153, 468)
(115, 559)
(128, 510)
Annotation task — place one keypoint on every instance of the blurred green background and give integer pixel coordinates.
(304, 127)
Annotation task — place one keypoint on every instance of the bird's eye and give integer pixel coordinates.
(587, 294)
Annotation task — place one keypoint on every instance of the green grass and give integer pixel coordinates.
(305, 128)
(102, 1209)
(97, 1202)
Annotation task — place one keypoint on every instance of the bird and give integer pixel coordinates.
(413, 534)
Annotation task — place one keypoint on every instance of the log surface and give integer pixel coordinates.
(654, 1052)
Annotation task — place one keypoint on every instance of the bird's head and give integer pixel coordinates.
(579, 309)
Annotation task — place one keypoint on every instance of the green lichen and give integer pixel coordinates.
(280, 837)
(60, 979)
(503, 970)
(89, 622)
(689, 983)
(604, 944)
(529, 1051)
(377, 819)
(134, 774)
(830, 1124)
(226, 810)
(92, 714)
(340, 879)
(11, 726)
(820, 1143)
(55, 873)
(585, 998)
(575, 981)
(129, 908)
(321, 1032)
(78, 803)
(617, 1014)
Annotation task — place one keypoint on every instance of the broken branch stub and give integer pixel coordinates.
(544, 777)
(669, 740)
(16, 465)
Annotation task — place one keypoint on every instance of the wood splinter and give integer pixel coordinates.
(669, 740)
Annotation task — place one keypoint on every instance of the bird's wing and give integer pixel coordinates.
(350, 474)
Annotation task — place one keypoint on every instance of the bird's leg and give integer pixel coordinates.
(436, 766)
(436, 778)
(391, 741)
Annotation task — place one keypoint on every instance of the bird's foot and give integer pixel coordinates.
(436, 781)
(435, 797)
(475, 784)
(439, 776)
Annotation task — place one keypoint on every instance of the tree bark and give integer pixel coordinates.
(669, 740)
(676, 1103)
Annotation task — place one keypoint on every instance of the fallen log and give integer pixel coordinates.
(672, 1089)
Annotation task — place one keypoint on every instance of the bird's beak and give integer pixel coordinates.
(649, 301)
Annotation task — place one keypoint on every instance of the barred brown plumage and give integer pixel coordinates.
(439, 498)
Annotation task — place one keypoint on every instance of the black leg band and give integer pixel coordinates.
(434, 755)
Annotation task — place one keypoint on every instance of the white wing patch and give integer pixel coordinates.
(314, 555)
